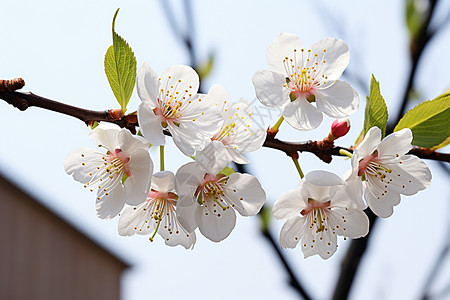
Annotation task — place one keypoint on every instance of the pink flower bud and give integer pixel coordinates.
(340, 127)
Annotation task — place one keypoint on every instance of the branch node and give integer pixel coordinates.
(11, 85)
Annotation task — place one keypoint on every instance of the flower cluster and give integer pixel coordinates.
(206, 193)
(200, 194)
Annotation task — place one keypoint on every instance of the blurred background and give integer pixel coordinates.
(58, 47)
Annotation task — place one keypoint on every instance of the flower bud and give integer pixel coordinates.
(339, 128)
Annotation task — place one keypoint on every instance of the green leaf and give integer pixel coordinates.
(227, 171)
(376, 113)
(120, 68)
(428, 121)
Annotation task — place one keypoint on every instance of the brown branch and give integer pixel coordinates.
(324, 149)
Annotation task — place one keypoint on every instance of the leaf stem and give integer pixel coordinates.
(161, 158)
(277, 124)
(297, 166)
(345, 152)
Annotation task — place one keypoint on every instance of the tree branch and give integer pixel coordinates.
(324, 149)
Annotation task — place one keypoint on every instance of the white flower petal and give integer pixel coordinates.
(188, 138)
(302, 115)
(396, 144)
(323, 178)
(181, 78)
(245, 191)
(213, 158)
(108, 206)
(188, 177)
(150, 125)
(323, 243)
(215, 227)
(147, 84)
(133, 193)
(291, 232)
(141, 169)
(403, 182)
(352, 223)
(106, 135)
(128, 142)
(81, 163)
(369, 143)
(289, 204)
(283, 46)
(336, 56)
(133, 219)
(269, 88)
(178, 237)
(163, 181)
(381, 205)
(185, 213)
(351, 195)
(338, 100)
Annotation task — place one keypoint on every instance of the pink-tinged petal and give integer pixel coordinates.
(246, 193)
(163, 181)
(269, 88)
(215, 227)
(135, 220)
(147, 84)
(283, 46)
(106, 135)
(81, 163)
(213, 158)
(395, 144)
(352, 223)
(180, 78)
(150, 125)
(109, 206)
(382, 204)
(337, 101)
(289, 204)
(140, 166)
(302, 115)
(336, 56)
(369, 144)
(291, 231)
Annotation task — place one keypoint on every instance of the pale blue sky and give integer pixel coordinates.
(58, 48)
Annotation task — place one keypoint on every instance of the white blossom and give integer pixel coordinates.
(157, 214)
(208, 200)
(121, 175)
(388, 170)
(319, 209)
(171, 101)
(299, 78)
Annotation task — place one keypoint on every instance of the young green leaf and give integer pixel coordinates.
(376, 113)
(428, 121)
(120, 68)
(227, 171)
